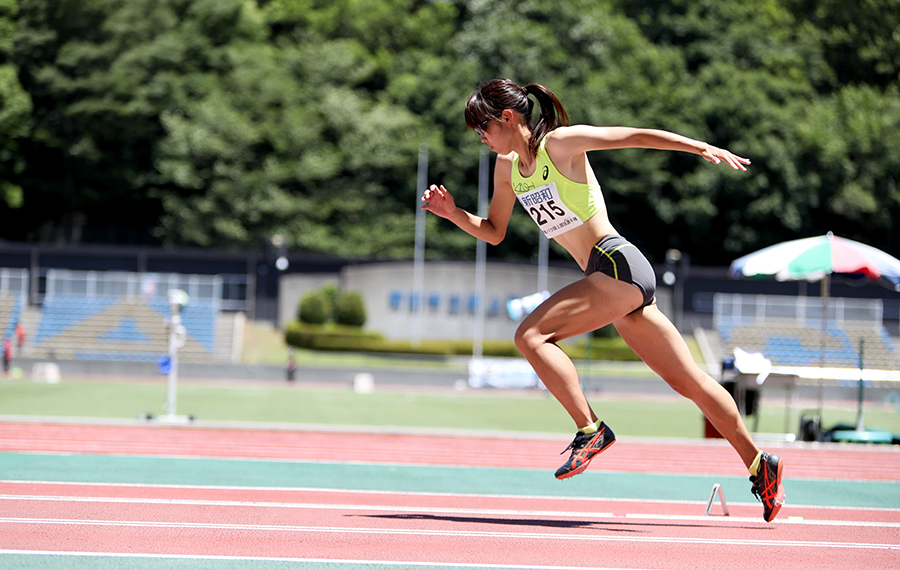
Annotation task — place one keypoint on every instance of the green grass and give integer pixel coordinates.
(875, 415)
(470, 409)
(535, 412)
(263, 344)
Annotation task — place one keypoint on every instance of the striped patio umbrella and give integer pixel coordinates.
(812, 259)
(815, 259)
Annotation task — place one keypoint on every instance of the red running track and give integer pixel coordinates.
(426, 528)
(872, 463)
(305, 524)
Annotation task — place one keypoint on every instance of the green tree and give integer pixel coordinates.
(313, 309)
(350, 309)
(859, 40)
(765, 79)
(297, 138)
(330, 304)
(100, 73)
(15, 110)
(219, 123)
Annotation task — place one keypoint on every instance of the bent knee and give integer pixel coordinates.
(521, 338)
(528, 339)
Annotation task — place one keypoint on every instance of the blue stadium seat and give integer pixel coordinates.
(61, 313)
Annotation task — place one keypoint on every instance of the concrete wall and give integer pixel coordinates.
(447, 313)
(449, 307)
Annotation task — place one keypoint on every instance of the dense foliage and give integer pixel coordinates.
(330, 304)
(219, 123)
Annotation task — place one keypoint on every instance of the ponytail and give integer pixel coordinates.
(494, 96)
(551, 111)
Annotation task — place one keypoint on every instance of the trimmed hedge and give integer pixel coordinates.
(328, 337)
(353, 339)
(339, 338)
(313, 308)
(350, 309)
(332, 305)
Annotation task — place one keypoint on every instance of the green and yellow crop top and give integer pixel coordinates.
(554, 202)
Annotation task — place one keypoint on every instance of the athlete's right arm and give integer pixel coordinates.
(491, 229)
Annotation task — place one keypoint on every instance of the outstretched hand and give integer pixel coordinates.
(438, 201)
(717, 155)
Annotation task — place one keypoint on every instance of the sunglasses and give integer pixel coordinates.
(482, 128)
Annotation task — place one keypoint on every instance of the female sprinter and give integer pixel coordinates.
(544, 165)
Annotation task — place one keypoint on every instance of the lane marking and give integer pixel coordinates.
(444, 533)
(186, 456)
(422, 494)
(318, 561)
(795, 521)
(376, 492)
(654, 468)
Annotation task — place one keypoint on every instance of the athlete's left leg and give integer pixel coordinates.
(659, 344)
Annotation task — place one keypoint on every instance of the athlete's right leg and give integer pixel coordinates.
(583, 306)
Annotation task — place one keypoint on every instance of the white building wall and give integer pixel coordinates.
(449, 287)
(387, 291)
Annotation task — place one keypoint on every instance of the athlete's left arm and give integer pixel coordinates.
(578, 139)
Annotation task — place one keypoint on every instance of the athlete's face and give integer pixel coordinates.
(499, 133)
(489, 133)
(482, 130)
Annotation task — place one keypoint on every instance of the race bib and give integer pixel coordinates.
(548, 210)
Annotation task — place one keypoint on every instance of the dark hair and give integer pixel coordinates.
(495, 95)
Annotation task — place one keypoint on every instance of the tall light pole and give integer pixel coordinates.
(418, 292)
(481, 258)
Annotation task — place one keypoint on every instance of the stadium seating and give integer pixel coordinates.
(787, 342)
(121, 329)
(10, 309)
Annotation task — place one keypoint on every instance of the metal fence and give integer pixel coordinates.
(148, 286)
(14, 282)
(805, 311)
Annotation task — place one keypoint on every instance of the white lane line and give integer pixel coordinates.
(431, 510)
(336, 491)
(314, 561)
(443, 533)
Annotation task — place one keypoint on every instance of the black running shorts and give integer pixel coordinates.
(614, 256)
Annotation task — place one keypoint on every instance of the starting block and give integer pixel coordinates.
(717, 489)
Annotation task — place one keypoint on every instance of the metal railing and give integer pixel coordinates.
(805, 311)
(147, 286)
(14, 282)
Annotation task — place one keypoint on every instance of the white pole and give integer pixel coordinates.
(824, 340)
(481, 258)
(172, 393)
(419, 259)
(177, 300)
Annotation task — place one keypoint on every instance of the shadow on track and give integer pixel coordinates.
(611, 526)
